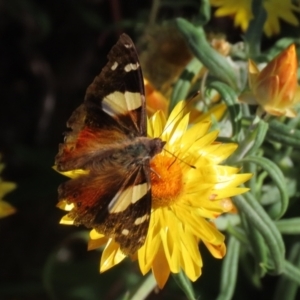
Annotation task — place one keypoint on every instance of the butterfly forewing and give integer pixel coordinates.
(108, 140)
(113, 110)
(120, 89)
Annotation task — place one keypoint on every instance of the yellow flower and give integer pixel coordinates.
(275, 88)
(242, 12)
(189, 190)
(5, 187)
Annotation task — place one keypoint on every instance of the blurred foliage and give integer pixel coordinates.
(50, 51)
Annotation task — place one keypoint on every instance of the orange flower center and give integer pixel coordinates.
(166, 180)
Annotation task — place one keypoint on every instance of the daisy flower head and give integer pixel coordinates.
(189, 189)
(242, 13)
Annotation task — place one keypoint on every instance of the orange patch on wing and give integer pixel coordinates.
(85, 145)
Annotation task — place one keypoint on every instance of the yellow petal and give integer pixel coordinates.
(66, 220)
(64, 205)
(96, 240)
(195, 132)
(6, 187)
(147, 253)
(229, 192)
(73, 173)
(111, 256)
(174, 118)
(217, 112)
(180, 130)
(201, 228)
(233, 181)
(170, 242)
(218, 251)
(191, 267)
(157, 123)
(204, 141)
(6, 209)
(160, 268)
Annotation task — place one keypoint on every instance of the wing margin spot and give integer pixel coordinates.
(114, 66)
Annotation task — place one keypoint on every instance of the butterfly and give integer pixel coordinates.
(108, 140)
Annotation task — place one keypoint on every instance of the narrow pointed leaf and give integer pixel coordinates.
(229, 270)
(284, 134)
(229, 96)
(183, 84)
(214, 61)
(288, 284)
(143, 290)
(278, 209)
(185, 285)
(288, 226)
(260, 219)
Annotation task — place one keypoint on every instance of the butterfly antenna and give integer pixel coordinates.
(181, 160)
(179, 113)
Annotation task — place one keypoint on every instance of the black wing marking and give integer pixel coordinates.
(118, 92)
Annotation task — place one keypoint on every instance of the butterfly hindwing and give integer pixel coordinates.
(120, 208)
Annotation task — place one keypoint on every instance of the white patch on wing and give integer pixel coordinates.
(118, 103)
(114, 66)
(125, 231)
(139, 191)
(128, 45)
(123, 199)
(141, 220)
(131, 67)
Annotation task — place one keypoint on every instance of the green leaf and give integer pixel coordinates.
(185, 285)
(229, 96)
(259, 250)
(204, 12)
(277, 210)
(250, 143)
(258, 136)
(288, 226)
(262, 222)
(238, 233)
(292, 271)
(214, 61)
(255, 30)
(284, 134)
(256, 243)
(288, 284)
(183, 84)
(143, 290)
(229, 270)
